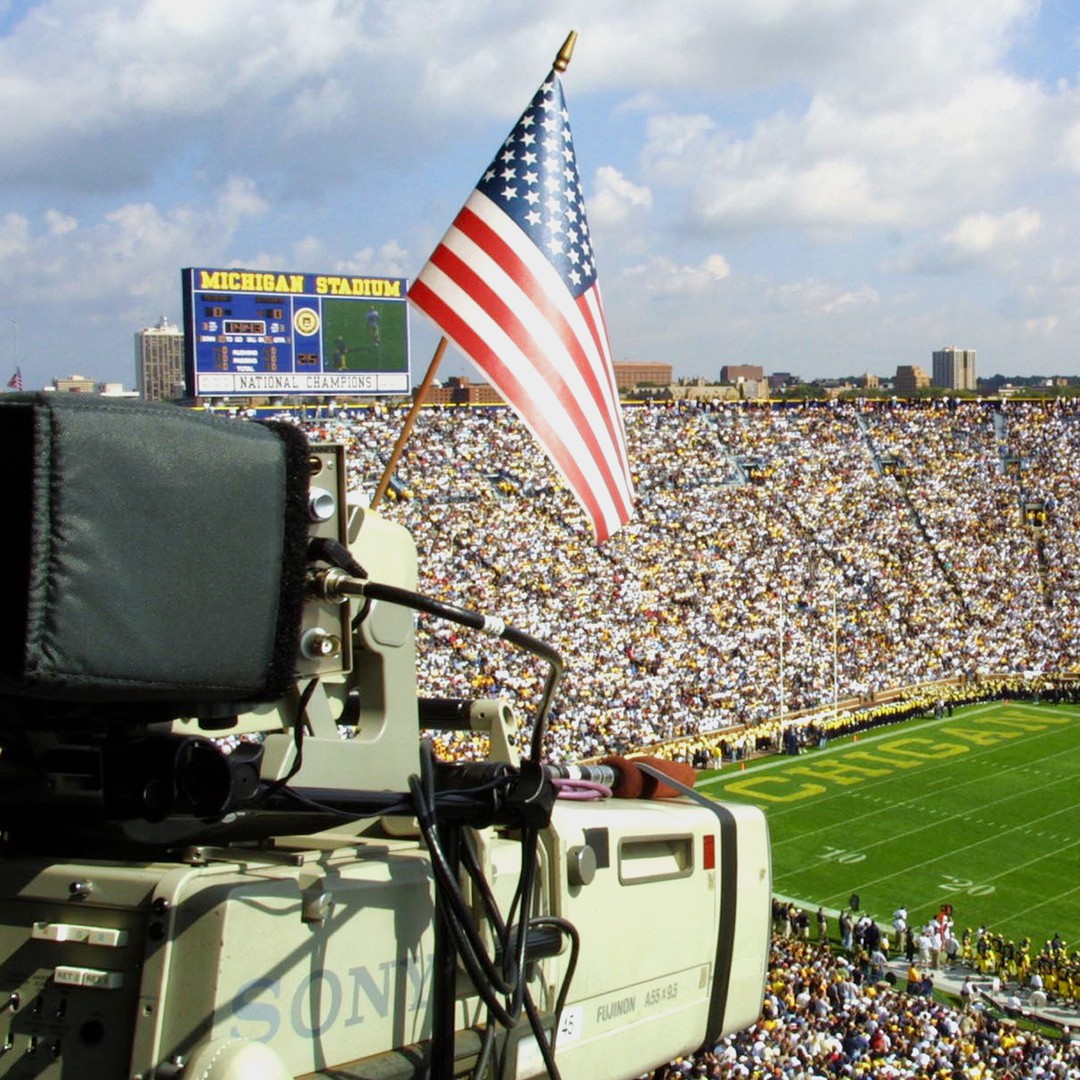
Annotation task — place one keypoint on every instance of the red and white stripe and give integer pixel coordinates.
(495, 295)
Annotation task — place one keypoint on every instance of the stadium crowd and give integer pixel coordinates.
(826, 1017)
(779, 559)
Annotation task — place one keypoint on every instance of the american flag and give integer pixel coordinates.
(15, 382)
(513, 285)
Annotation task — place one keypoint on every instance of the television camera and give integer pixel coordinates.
(228, 853)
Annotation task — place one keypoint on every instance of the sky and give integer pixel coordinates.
(824, 187)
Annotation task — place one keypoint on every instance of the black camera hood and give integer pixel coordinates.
(155, 553)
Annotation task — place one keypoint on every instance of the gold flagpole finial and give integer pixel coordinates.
(562, 61)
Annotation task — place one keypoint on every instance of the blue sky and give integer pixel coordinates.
(819, 186)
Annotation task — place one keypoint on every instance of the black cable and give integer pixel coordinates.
(445, 889)
(485, 976)
(512, 977)
(389, 803)
(522, 897)
(472, 867)
(475, 871)
(547, 1047)
(448, 879)
(476, 874)
(484, 1054)
(298, 743)
(396, 804)
(427, 778)
(570, 930)
(326, 549)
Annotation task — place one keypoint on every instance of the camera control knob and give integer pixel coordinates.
(580, 865)
(321, 504)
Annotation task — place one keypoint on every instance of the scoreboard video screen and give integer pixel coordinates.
(266, 332)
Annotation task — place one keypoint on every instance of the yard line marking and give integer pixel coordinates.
(984, 881)
(1043, 903)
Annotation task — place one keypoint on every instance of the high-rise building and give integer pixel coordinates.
(159, 361)
(954, 369)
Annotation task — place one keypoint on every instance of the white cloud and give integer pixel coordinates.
(1044, 327)
(979, 240)
(978, 234)
(96, 97)
(615, 199)
(240, 199)
(135, 249)
(838, 166)
(817, 299)
(389, 258)
(58, 224)
(14, 236)
(674, 145)
(662, 277)
(309, 251)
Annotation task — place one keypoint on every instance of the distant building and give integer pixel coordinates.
(631, 374)
(737, 373)
(80, 384)
(75, 384)
(954, 369)
(867, 382)
(159, 362)
(458, 390)
(115, 389)
(778, 380)
(909, 378)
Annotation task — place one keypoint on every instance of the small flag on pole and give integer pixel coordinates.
(513, 285)
(15, 382)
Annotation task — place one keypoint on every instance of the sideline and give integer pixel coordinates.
(844, 743)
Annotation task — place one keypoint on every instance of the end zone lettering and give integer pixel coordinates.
(885, 756)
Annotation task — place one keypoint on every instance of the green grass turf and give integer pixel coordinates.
(980, 810)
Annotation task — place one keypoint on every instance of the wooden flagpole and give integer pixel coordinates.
(410, 422)
(562, 62)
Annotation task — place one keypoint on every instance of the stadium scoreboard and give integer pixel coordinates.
(266, 332)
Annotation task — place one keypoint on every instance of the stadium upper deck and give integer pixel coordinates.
(778, 559)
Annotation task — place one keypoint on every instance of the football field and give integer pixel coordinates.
(980, 810)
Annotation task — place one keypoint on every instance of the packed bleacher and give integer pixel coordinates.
(826, 1015)
(848, 547)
